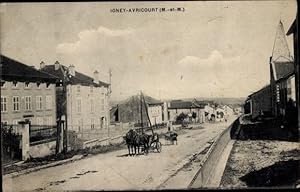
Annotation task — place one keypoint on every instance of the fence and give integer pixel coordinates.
(42, 133)
(94, 137)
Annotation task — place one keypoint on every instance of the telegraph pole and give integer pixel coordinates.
(108, 96)
(142, 112)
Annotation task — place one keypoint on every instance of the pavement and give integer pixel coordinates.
(262, 163)
(117, 171)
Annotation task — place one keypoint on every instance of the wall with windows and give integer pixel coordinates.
(28, 99)
(87, 107)
(155, 113)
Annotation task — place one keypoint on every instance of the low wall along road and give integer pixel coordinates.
(205, 175)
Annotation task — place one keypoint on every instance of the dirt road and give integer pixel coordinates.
(116, 171)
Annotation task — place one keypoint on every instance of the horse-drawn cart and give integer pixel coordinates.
(155, 144)
(171, 137)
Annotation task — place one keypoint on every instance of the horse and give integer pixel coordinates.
(134, 140)
(171, 136)
(142, 139)
(130, 141)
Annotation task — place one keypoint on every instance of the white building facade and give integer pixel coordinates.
(86, 99)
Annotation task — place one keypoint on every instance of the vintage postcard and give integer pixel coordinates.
(149, 95)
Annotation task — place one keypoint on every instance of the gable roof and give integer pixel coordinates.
(12, 70)
(281, 52)
(282, 69)
(260, 90)
(79, 78)
(175, 104)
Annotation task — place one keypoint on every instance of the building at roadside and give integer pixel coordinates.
(81, 100)
(26, 93)
(282, 73)
(259, 102)
(155, 112)
(294, 29)
(193, 109)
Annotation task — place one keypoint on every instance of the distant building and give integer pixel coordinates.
(194, 109)
(83, 100)
(228, 110)
(209, 111)
(26, 93)
(132, 110)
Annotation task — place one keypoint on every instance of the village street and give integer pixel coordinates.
(115, 170)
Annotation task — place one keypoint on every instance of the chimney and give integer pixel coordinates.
(42, 65)
(72, 70)
(56, 65)
(96, 76)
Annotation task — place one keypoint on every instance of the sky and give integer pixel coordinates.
(211, 49)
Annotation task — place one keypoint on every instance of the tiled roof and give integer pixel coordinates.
(282, 69)
(79, 78)
(262, 89)
(12, 70)
(156, 103)
(185, 105)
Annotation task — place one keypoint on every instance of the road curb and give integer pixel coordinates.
(57, 163)
(186, 161)
(26, 171)
(210, 160)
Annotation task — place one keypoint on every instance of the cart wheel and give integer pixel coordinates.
(158, 147)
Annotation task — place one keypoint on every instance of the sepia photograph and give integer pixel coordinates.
(149, 95)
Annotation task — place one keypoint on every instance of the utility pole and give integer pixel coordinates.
(65, 99)
(108, 96)
(148, 114)
(142, 112)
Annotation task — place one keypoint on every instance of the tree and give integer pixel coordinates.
(181, 117)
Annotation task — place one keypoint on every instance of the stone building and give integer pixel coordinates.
(193, 109)
(81, 100)
(155, 112)
(26, 93)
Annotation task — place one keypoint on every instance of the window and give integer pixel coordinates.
(49, 120)
(4, 122)
(16, 121)
(39, 103)
(48, 102)
(39, 121)
(15, 85)
(3, 104)
(79, 124)
(78, 88)
(78, 105)
(27, 85)
(92, 106)
(277, 93)
(92, 124)
(28, 105)
(16, 103)
(2, 84)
